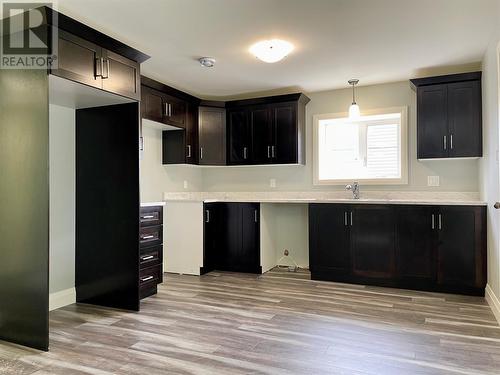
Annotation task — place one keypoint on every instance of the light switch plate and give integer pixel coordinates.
(432, 180)
(272, 182)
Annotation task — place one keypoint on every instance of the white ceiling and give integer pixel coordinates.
(373, 40)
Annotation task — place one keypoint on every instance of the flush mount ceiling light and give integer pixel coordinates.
(207, 62)
(354, 111)
(271, 51)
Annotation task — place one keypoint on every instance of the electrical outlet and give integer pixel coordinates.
(185, 184)
(432, 180)
(272, 182)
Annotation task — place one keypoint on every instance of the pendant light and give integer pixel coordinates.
(354, 111)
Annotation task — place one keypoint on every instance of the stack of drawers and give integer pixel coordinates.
(151, 250)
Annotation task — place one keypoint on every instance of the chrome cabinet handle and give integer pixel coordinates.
(102, 68)
(433, 222)
(444, 142)
(147, 278)
(201, 152)
(108, 70)
(451, 141)
(148, 257)
(169, 110)
(148, 217)
(345, 218)
(166, 109)
(269, 152)
(245, 152)
(98, 67)
(440, 222)
(351, 218)
(273, 152)
(148, 237)
(207, 219)
(255, 215)
(189, 151)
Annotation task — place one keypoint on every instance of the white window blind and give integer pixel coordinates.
(369, 148)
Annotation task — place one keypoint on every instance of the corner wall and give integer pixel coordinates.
(489, 168)
(62, 172)
(157, 178)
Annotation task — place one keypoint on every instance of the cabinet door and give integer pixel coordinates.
(191, 146)
(329, 248)
(121, 75)
(464, 119)
(461, 257)
(175, 111)
(78, 60)
(432, 122)
(248, 258)
(212, 241)
(373, 239)
(151, 104)
(417, 229)
(262, 134)
(238, 137)
(173, 146)
(284, 118)
(212, 136)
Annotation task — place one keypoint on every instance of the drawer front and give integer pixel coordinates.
(150, 236)
(151, 256)
(150, 276)
(151, 216)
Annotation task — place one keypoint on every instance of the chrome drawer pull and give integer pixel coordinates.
(147, 278)
(148, 237)
(147, 257)
(148, 217)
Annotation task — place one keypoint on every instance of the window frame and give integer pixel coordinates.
(403, 180)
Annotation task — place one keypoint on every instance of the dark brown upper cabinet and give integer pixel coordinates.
(449, 120)
(161, 107)
(266, 130)
(212, 136)
(177, 113)
(239, 136)
(85, 62)
(120, 75)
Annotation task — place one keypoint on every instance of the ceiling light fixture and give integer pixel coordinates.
(271, 51)
(207, 62)
(354, 111)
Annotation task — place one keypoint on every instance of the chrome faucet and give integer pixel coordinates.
(354, 188)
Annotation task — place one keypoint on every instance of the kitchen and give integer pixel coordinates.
(250, 206)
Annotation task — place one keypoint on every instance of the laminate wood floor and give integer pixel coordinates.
(277, 323)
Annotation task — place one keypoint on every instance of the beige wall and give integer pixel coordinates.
(156, 178)
(62, 198)
(454, 175)
(489, 167)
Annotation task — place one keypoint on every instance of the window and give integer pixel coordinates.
(371, 149)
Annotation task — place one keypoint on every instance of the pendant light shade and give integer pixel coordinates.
(354, 111)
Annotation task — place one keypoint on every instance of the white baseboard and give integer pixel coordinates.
(493, 301)
(63, 298)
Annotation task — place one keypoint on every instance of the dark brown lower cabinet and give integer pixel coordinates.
(151, 250)
(373, 241)
(329, 228)
(416, 244)
(232, 237)
(436, 248)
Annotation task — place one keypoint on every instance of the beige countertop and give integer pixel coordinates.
(367, 197)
